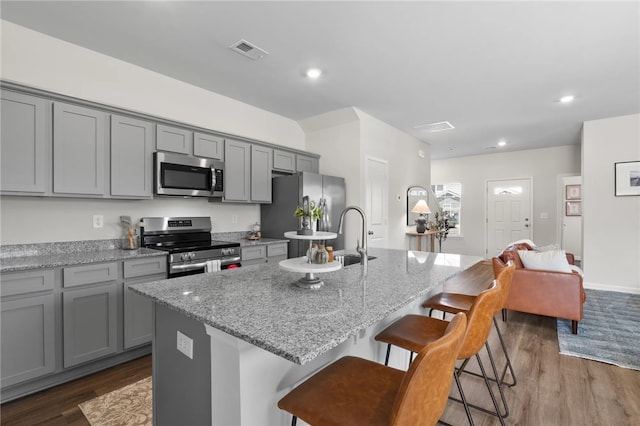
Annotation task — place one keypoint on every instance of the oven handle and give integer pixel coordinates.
(189, 266)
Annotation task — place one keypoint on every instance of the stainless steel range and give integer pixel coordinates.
(189, 244)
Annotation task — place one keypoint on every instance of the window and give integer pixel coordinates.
(449, 197)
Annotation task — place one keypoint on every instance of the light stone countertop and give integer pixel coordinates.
(261, 305)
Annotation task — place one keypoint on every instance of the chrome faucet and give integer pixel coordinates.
(362, 250)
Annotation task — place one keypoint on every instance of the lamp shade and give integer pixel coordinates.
(421, 207)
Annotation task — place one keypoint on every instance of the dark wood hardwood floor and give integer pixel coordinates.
(552, 389)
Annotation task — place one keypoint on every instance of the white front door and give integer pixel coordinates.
(377, 207)
(508, 213)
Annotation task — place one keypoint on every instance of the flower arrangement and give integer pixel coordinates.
(308, 214)
(315, 212)
(440, 223)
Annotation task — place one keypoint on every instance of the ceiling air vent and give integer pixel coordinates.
(249, 50)
(435, 127)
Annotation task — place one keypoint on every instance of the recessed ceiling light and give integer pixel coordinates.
(566, 99)
(314, 73)
(502, 143)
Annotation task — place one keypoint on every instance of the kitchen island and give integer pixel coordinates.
(256, 335)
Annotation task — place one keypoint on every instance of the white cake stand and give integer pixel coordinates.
(302, 264)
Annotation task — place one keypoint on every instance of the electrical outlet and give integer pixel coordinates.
(98, 221)
(234, 218)
(185, 345)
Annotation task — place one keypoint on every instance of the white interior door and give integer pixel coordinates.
(377, 208)
(508, 213)
(571, 217)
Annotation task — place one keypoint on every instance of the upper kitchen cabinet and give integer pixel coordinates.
(24, 143)
(237, 171)
(305, 163)
(209, 146)
(131, 157)
(174, 139)
(284, 160)
(79, 150)
(261, 167)
(247, 172)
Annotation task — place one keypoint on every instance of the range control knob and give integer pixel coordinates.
(192, 255)
(184, 256)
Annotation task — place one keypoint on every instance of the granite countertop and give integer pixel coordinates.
(51, 255)
(261, 305)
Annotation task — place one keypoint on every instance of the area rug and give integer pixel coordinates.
(608, 332)
(127, 406)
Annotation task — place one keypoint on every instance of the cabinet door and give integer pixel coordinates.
(210, 146)
(23, 147)
(306, 163)
(261, 167)
(284, 160)
(174, 139)
(237, 171)
(78, 150)
(276, 252)
(89, 323)
(28, 339)
(131, 157)
(138, 316)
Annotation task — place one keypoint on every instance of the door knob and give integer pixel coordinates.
(526, 225)
(370, 232)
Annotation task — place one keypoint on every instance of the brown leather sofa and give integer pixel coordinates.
(550, 293)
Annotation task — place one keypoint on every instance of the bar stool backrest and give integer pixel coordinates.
(480, 319)
(505, 276)
(424, 391)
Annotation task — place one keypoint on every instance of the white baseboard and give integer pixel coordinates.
(609, 287)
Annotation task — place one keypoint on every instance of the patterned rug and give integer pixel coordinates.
(127, 406)
(608, 332)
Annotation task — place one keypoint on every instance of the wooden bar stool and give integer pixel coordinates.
(456, 302)
(413, 332)
(355, 391)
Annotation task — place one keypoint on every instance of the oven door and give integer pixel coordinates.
(192, 268)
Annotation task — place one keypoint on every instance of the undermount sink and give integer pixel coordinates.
(350, 259)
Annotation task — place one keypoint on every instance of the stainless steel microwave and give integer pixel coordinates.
(183, 175)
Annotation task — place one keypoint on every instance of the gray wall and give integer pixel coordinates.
(542, 165)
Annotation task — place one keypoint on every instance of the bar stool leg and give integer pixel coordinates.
(506, 355)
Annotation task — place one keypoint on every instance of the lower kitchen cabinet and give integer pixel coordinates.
(255, 255)
(138, 310)
(28, 338)
(90, 323)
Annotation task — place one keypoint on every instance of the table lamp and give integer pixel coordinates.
(421, 208)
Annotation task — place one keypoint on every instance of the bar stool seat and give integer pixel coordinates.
(355, 391)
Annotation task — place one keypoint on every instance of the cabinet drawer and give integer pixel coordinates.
(147, 266)
(26, 282)
(251, 253)
(90, 274)
(277, 250)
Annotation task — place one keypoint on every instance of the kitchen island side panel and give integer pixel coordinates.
(181, 386)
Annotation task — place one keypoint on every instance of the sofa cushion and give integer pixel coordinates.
(551, 260)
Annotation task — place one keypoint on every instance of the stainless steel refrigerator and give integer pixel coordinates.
(277, 218)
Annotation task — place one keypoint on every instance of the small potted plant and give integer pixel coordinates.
(308, 214)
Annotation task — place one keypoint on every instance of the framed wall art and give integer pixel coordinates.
(573, 192)
(573, 208)
(627, 178)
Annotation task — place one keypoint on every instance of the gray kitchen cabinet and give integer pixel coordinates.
(131, 157)
(284, 160)
(277, 252)
(24, 143)
(174, 139)
(27, 326)
(89, 312)
(79, 150)
(237, 184)
(305, 163)
(253, 255)
(138, 310)
(209, 146)
(261, 167)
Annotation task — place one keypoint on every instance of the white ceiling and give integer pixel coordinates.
(493, 69)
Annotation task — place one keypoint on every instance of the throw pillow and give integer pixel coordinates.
(552, 260)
